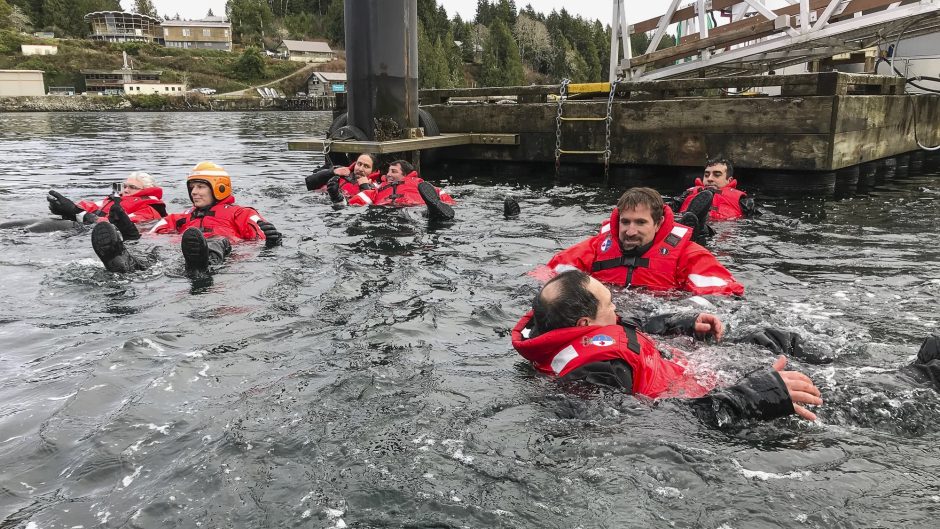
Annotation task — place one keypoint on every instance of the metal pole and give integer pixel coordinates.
(382, 64)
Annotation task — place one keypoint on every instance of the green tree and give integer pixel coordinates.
(432, 66)
(145, 7)
(5, 11)
(452, 56)
(501, 63)
(250, 64)
(250, 19)
(334, 23)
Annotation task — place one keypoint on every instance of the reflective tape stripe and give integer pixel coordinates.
(365, 198)
(707, 281)
(563, 358)
(564, 268)
(100, 204)
(151, 197)
(605, 228)
(79, 216)
(157, 225)
(255, 218)
(679, 231)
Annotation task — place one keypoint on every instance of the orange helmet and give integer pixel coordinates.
(213, 176)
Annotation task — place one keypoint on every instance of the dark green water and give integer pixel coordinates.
(361, 375)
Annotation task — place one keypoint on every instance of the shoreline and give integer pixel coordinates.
(154, 103)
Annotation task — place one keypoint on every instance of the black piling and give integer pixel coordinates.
(382, 66)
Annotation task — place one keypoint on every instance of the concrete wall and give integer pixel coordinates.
(21, 83)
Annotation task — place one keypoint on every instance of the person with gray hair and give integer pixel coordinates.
(138, 195)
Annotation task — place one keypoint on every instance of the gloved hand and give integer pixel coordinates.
(787, 343)
(332, 189)
(272, 237)
(777, 341)
(121, 221)
(59, 205)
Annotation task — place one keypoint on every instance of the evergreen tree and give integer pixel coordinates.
(501, 63)
(452, 57)
(333, 23)
(210, 13)
(250, 19)
(5, 11)
(145, 7)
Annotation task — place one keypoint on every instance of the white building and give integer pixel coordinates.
(15, 83)
(38, 49)
(154, 88)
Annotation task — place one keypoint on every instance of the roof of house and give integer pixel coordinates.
(123, 14)
(330, 77)
(317, 46)
(196, 23)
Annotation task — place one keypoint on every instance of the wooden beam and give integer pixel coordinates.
(748, 32)
(415, 144)
(680, 14)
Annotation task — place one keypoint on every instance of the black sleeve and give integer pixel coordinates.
(665, 324)
(319, 178)
(366, 186)
(761, 395)
(615, 374)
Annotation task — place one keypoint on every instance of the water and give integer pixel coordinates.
(361, 375)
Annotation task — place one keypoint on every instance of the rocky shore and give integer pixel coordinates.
(145, 103)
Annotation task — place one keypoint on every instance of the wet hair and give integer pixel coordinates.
(144, 178)
(572, 302)
(636, 196)
(719, 159)
(371, 157)
(406, 167)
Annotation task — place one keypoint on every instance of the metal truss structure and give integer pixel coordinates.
(759, 39)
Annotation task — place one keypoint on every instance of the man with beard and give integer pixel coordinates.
(642, 246)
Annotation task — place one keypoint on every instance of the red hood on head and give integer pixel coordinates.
(731, 183)
(155, 192)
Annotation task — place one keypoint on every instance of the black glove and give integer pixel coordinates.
(779, 342)
(121, 221)
(59, 205)
(332, 189)
(786, 343)
(272, 237)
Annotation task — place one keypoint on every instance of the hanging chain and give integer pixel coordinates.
(562, 95)
(327, 144)
(610, 118)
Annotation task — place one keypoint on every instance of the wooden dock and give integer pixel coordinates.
(818, 122)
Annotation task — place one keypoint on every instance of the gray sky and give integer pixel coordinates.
(590, 9)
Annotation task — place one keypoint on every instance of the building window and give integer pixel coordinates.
(166, 32)
(226, 33)
(187, 32)
(206, 32)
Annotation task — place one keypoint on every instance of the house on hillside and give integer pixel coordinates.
(113, 81)
(119, 26)
(326, 83)
(39, 49)
(211, 34)
(306, 51)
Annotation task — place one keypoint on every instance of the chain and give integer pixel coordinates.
(562, 94)
(610, 118)
(327, 144)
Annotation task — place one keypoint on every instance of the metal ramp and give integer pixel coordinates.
(759, 39)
